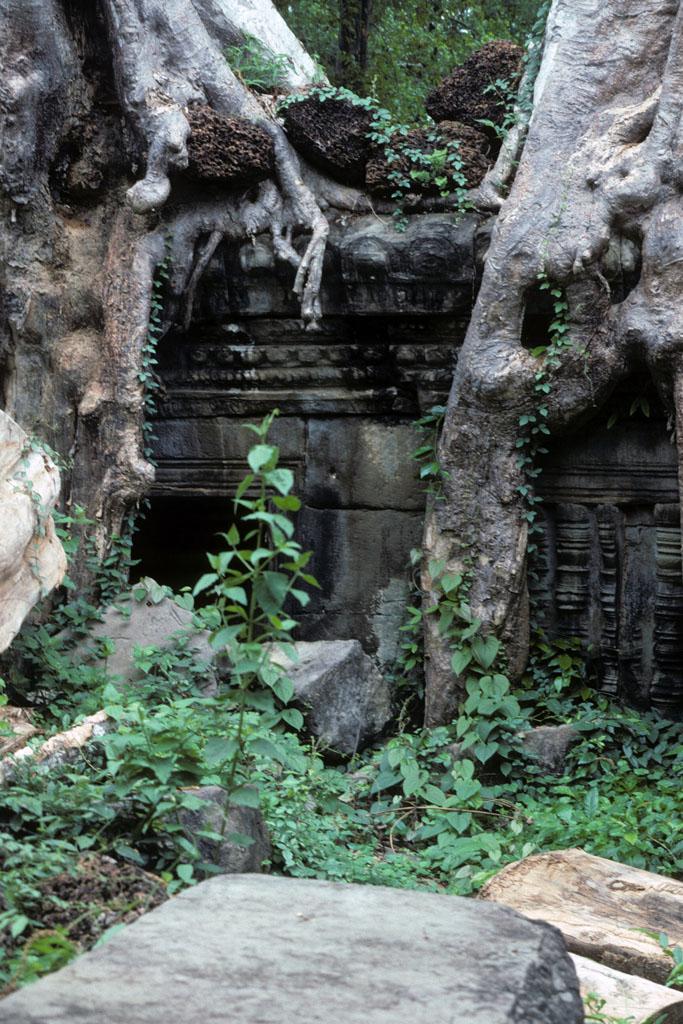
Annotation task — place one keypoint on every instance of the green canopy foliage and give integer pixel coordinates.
(411, 44)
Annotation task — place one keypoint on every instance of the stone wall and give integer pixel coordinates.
(397, 307)
(609, 570)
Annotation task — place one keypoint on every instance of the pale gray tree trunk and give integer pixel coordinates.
(599, 173)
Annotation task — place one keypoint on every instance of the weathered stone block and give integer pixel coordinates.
(224, 853)
(347, 701)
(131, 623)
(355, 462)
(251, 948)
(550, 744)
(364, 603)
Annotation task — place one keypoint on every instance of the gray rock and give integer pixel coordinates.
(230, 857)
(550, 744)
(347, 701)
(258, 949)
(155, 621)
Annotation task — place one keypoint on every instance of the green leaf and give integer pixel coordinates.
(185, 873)
(245, 796)
(218, 750)
(485, 650)
(128, 853)
(270, 591)
(224, 637)
(460, 660)
(287, 504)
(283, 688)
(19, 924)
(281, 479)
(204, 582)
(450, 581)
(293, 717)
(240, 839)
(484, 751)
(261, 455)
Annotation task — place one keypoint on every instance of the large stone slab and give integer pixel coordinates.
(250, 949)
(346, 700)
(602, 908)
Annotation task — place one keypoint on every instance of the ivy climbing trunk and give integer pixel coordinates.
(598, 182)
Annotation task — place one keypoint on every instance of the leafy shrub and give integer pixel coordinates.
(259, 68)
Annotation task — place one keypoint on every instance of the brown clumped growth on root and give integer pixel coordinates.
(474, 150)
(332, 134)
(463, 96)
(231, 150)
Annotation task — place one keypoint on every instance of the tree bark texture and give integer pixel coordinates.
(599, 175)
(93, 103)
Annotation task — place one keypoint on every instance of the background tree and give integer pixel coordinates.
(411, 44)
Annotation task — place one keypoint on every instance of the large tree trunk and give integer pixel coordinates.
(93, 106)
(599, 170)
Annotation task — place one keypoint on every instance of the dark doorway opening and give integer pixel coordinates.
(175, 535)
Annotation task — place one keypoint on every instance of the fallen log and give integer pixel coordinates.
(600, 907)
(59, 748)
(626, 996)
(18, 720)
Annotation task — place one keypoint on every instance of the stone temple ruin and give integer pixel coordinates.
(396, 310)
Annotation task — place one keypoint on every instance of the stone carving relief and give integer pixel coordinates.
(609, 564)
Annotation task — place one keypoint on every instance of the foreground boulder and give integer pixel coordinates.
(32, 559)
(600, 907)
(345, 699)
(251, 948)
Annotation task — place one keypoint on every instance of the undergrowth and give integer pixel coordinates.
(438, 809)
